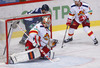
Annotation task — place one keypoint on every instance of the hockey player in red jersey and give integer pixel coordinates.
(79, 14)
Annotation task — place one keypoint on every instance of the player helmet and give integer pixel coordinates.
(45, 7)
(46, 21)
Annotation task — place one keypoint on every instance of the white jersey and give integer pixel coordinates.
(76, 12)
(42, 32)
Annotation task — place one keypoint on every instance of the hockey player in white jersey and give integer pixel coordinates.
(79, 14)
(39, 38)
(43, 39)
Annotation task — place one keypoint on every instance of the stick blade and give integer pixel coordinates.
(61, 46)
(55, 60)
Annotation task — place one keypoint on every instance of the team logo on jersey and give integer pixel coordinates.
(81, 13)
(46, 36)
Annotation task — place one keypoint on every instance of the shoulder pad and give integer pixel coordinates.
(73, 6)
(85, 4)
(37, 10)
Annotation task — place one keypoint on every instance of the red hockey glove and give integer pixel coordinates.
(68, 22)
(82, 18)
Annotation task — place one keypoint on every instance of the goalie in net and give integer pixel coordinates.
(38, 39)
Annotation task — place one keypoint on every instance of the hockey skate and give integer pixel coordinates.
(68, 40)
(95, 41)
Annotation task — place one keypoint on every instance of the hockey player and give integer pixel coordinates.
(29, 23)
(79, 14)
(39, 37)
(42, 30)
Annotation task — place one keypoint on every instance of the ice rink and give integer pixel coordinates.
(80, 53)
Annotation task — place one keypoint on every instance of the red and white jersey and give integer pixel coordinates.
(42, 32)
(76, 12)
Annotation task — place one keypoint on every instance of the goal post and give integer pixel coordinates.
(11, 41)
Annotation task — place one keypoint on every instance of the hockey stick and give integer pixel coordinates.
(51, 60)
(9, 38)
(64, 37)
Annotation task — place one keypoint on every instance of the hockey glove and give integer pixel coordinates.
(53, 42)
(68, 22)
(82, 18)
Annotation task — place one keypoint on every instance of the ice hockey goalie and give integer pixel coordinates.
(39, 38)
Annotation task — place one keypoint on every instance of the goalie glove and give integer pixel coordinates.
(82, 18)
(53, 42)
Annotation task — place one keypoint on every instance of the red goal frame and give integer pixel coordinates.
(6, 29)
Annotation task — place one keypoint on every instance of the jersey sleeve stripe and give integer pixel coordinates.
(33, 31)
(39, 40)
(90, 12)
(71, 14)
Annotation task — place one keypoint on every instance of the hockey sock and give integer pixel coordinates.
(89, 32)
(71, 32)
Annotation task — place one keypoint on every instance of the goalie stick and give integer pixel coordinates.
(51, 60)
(64, 37)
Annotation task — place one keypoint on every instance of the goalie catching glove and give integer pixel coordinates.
(53, 42)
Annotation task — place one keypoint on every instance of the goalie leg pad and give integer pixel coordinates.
(51, 54)
(25, 56)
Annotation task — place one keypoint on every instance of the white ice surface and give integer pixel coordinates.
(80, 53)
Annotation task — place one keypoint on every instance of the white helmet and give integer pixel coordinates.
(47, 21)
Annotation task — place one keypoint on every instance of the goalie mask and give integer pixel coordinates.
(46, 21)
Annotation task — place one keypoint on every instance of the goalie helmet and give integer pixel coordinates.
(45, 7)
(46, 21)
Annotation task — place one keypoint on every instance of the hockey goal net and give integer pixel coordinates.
(10, 37)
